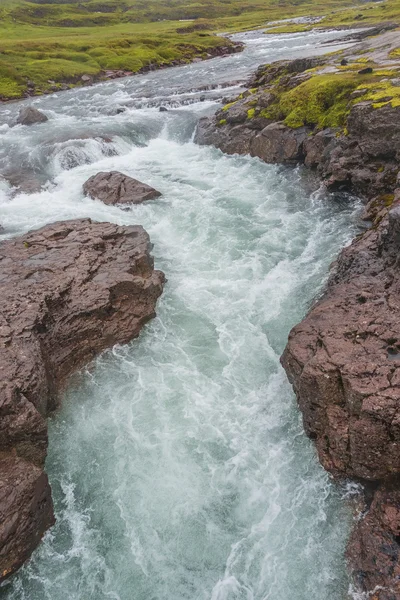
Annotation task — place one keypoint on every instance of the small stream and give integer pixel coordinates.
(179, 466)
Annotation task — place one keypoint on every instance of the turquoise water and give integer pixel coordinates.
(179, 466)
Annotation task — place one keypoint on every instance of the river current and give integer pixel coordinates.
(179, 466)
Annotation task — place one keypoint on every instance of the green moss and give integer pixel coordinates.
(222, 122)
(321, 101)
(381, 93)
(10, 88)
(228, 106)
(395, 53)
(250, 113)
(387, 199)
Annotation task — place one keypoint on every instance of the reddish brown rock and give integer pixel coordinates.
(117, 188)
(343, 360)
(374, 549)
(69, 290)
(26, 511)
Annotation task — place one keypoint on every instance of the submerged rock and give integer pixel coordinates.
(116, 188)
(30, 116)
(69, 290)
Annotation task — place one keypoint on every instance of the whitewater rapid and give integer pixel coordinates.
(179, 466)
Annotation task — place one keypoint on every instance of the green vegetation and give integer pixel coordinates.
(382, 93)
(358, 14)
(319, 99)
(44, 43)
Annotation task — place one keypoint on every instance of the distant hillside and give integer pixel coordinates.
(47, 43)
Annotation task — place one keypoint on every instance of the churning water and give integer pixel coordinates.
(179, 466)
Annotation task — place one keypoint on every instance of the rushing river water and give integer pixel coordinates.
(179, 466)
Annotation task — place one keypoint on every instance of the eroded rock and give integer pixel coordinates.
(231, 140)
(374, 546)
(344, 359)
(26, 511)
(69, 290)
(116, 188)
(277, 143)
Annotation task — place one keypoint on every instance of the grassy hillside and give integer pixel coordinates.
(47, 42)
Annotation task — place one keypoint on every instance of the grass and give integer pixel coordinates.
(47, 42)
(322, 100)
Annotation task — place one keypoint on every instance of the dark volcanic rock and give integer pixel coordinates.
(30, 116)
(117, 188)
(232, 140)
(279, 144)
(69, 291)
(318, 148)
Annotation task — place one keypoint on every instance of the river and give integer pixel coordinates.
(179, 466)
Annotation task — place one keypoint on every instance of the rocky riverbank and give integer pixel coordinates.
(69, 290)
(339, 115)
(65, 83)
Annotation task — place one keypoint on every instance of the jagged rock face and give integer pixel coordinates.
(374, 546)
(231, 140)
(116, 188)
(364, 159)
(30, 116)
(279, 144)
(26, 511)
(344, 359)
(69, 290)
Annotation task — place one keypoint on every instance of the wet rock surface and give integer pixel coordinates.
(116, 188)
(30, 116)
(343, 360)
(279, 144)
(69, 290)
(374, 546)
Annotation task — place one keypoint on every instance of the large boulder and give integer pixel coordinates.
(343, 359)
(30, 116)
(231, 139)
(69, 290)
(116, 188)
(280, 144)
